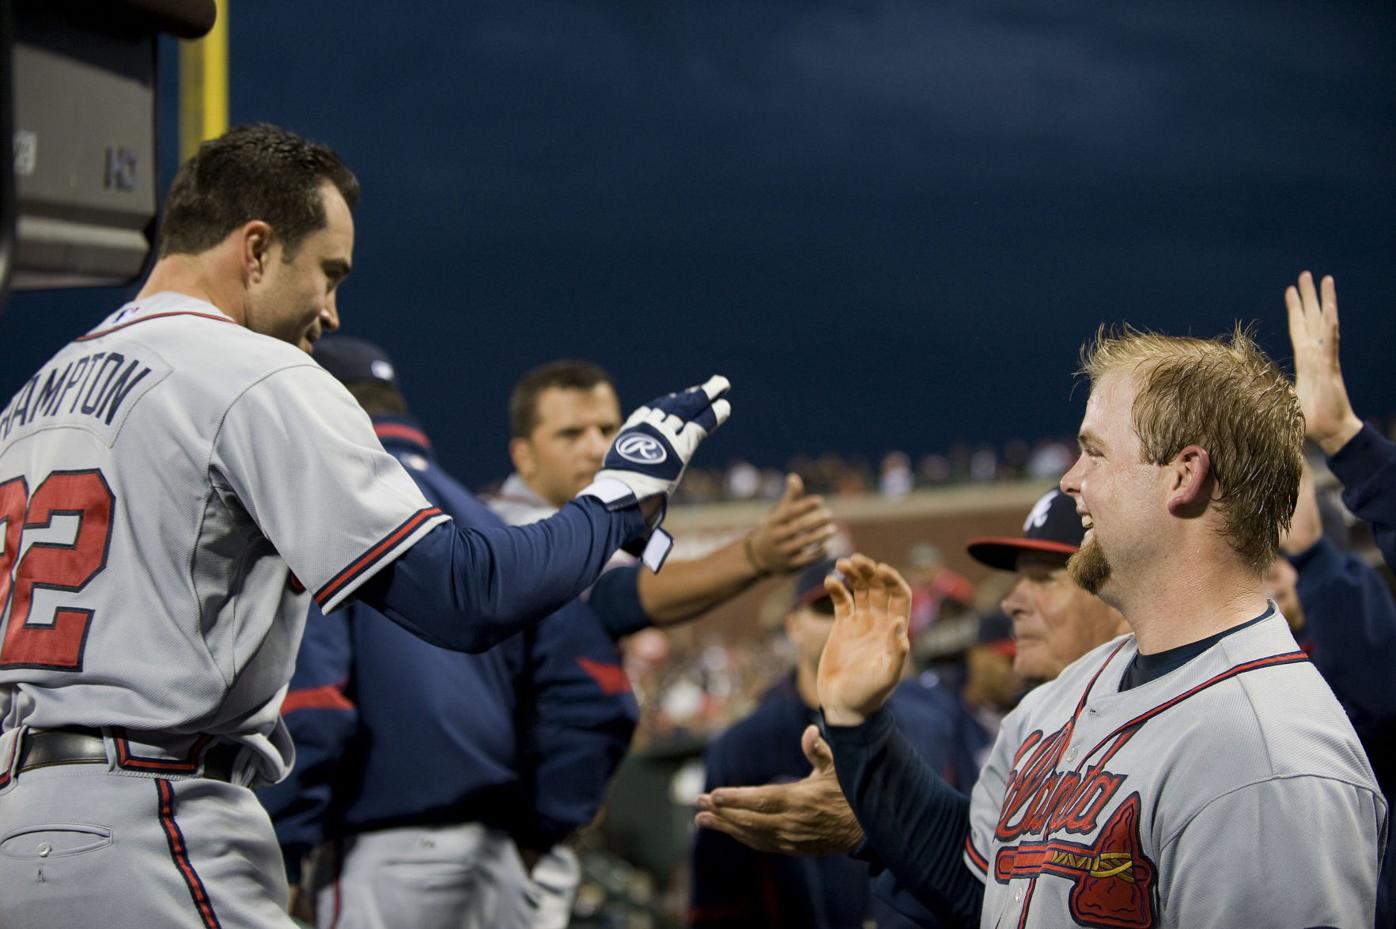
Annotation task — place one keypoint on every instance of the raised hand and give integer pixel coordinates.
(793, 533)
(1318, 379)
(654, 446)
(651, 452)
(862, 661)
(807, 817)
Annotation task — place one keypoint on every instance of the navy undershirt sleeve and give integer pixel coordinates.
(1350, 617)
(615, 598)
(1367, 468)
(466, 589)
(913, 822)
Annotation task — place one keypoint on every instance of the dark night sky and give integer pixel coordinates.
(890, 223)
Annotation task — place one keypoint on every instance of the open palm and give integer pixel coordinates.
(862, 661)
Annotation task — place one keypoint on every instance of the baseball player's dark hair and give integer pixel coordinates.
(1226, 396)
(568, 374)
(256, 171)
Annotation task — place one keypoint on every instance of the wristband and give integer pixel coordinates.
(751, 558)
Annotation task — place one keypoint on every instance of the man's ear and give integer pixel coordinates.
(254, 247)
(521, 454)
(1189, 482)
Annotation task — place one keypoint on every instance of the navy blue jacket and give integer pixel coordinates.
(735, 886)
(1367, 468)
(391, 730)
(1350, 626)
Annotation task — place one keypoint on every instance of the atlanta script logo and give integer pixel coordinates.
(1113, 881)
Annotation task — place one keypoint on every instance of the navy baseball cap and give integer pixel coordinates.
(809, 585)
(1052, 526)
(350, 359)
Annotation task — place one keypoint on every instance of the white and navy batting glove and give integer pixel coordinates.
(650, 454)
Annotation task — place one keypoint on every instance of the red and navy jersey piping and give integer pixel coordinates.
(1284, 658)
(374, 555)
(179, 852)
(130, 761)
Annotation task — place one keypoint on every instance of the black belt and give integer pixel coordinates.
(48, 747)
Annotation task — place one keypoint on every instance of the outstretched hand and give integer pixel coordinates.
(807, 817)
(793, 533)
(1318, 379)
(867, 646)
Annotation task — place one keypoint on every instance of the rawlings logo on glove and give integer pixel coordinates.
(651, 452)
(641, 449)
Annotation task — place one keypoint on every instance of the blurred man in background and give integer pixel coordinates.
(563, 416)
(430, 780)
(736, 886)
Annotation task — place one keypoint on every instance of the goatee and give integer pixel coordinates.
(1089, 567)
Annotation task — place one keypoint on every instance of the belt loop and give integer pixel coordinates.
(11, 742)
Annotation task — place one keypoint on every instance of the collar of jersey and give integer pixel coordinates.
(165, 303)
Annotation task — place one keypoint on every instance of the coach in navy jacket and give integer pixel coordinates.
(391, 731)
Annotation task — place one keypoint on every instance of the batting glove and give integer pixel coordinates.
(651, 452)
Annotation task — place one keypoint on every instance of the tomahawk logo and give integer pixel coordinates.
(1038, 517)
(641, 449)
(1114, 882)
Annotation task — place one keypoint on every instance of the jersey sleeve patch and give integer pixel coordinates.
(366, 565)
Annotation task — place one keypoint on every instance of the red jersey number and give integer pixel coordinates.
(65, 566)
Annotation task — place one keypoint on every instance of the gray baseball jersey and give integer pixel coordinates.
(1230, 792)
(172, 488)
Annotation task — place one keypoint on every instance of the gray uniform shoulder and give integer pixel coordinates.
(1284, 718)
(205, 359)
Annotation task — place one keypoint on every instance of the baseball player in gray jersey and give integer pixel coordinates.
(174, 486)
(1194, 773)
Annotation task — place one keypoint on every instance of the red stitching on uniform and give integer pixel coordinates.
(611, 678)
(400, 431)
(101, 332)
(338, 905)
(180, 853)
(5, 768)
(1027, 900)
(329, 697)
(125, 758)
(1138, 721)
(979, 860)
(1101, 670)
(373, 554)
